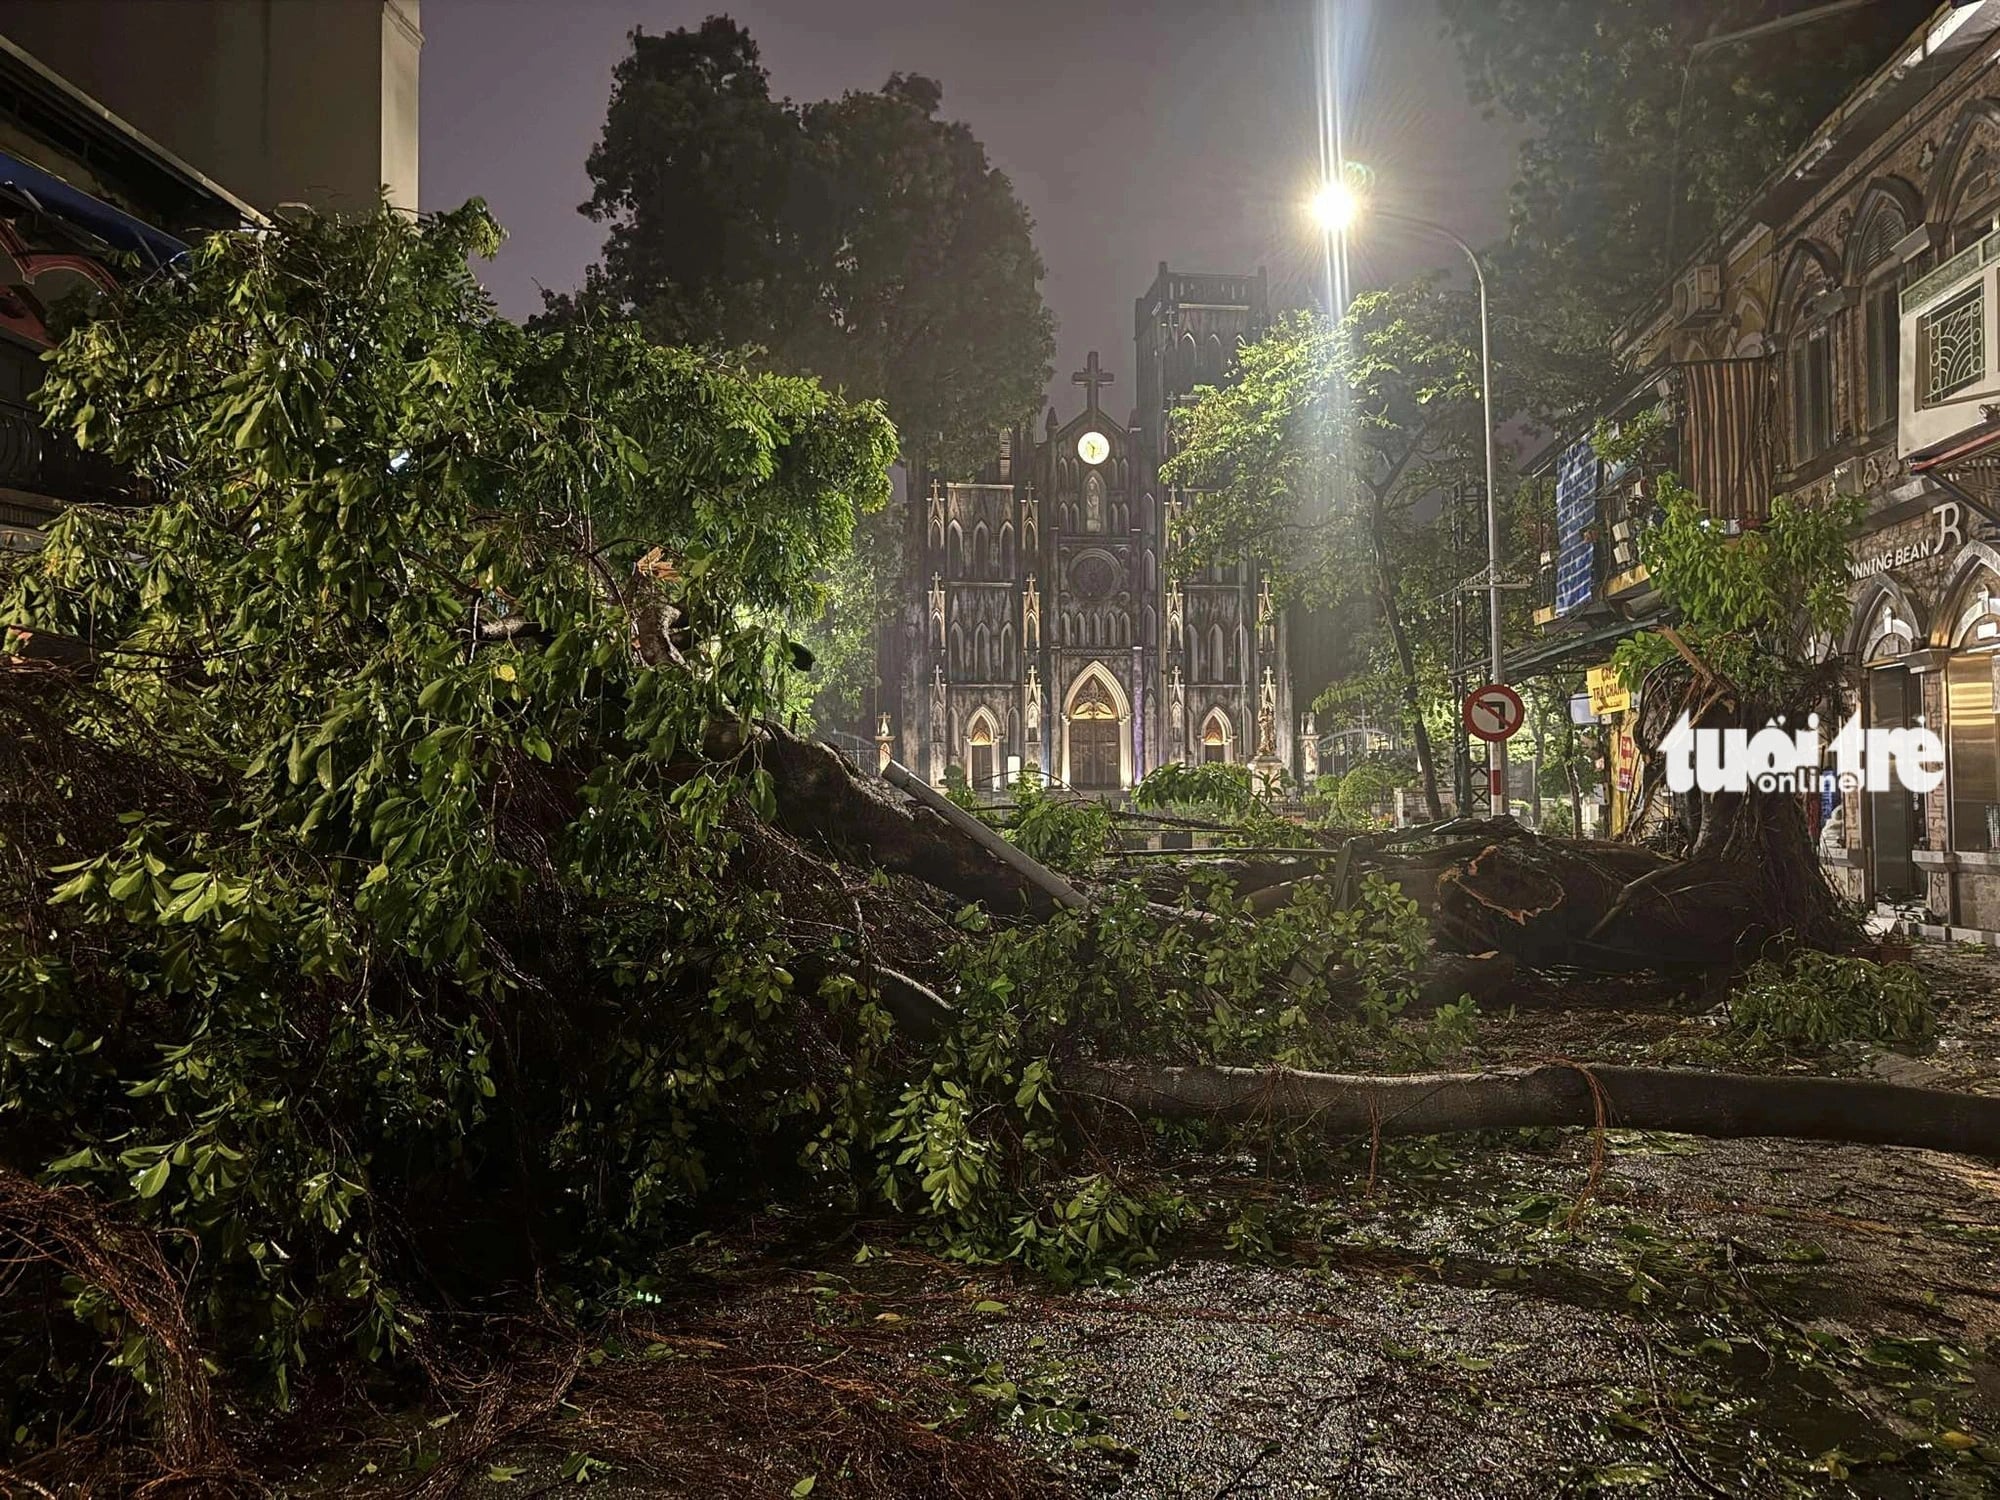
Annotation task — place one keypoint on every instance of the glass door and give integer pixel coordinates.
(1892, 814)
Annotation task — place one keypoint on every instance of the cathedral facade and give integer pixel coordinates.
(1044, 626)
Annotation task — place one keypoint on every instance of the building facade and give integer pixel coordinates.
(121, 121)
(1044, 626)
(80, 190)
(1839, 337)
(283, 101)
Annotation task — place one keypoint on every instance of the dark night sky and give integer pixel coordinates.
(1179, 131)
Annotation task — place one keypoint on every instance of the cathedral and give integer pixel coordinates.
(1044, 625)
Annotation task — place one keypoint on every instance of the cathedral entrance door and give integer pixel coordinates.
(1095, 761)
(1093, 753)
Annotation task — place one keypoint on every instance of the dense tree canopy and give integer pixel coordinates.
(1638, 146)
(862, 240)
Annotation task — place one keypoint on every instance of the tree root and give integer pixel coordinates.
(64, 1228)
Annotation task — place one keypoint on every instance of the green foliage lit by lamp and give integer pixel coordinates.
(1214, 788)
(1753, 606)
(1358, 801)
(1068, 834)
(978, 1147)
(1818, 999)
(379, 892)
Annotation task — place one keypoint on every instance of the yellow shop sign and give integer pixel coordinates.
(1608, 694)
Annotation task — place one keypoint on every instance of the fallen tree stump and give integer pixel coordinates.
(1723, 1105)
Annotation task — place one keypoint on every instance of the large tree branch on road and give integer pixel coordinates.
(1722, 1105)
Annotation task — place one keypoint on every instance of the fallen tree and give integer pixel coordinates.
(1725, 1105)
(418, 902)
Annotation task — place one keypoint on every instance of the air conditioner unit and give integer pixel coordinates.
(1698, 294)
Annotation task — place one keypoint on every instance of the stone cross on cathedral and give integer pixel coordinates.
(1090, 377)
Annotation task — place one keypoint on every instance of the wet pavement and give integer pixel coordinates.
(1708, 1318)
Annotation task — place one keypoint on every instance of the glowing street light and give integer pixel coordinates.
(1337, 208)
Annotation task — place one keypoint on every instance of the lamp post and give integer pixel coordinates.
(1336, 207)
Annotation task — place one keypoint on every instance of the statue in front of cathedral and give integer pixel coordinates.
(1267, 717)
(1309, 749)
(1176, 707)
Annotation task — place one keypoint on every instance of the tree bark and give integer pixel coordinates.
(820, 800)
(1721, 1105)
(1406, 663)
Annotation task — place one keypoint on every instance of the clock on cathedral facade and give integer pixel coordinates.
(1043, 622)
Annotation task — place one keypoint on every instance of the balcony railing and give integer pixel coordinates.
(36, 461)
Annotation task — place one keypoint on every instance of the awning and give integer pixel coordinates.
(1969, 468)
(49, 194)
(1971, 445)
(1586, 647)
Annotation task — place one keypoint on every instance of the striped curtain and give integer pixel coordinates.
(1727, 435)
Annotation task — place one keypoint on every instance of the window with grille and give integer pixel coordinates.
(1951, 345)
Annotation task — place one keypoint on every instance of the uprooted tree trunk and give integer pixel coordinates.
(1669, 1099)
(1758, 841)
(821, 800)
(1487, 885)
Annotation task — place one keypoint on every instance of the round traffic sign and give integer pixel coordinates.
(1493, 712)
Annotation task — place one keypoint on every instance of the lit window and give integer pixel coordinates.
(1975, 753)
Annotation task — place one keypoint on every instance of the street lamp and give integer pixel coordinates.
(1337, 208)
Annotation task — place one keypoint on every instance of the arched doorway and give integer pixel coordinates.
(980, 762)
(1884, 631)
(1215, 737)
(1096, 744)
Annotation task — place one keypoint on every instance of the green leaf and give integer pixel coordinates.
(804, 1487)
(149, 1182)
